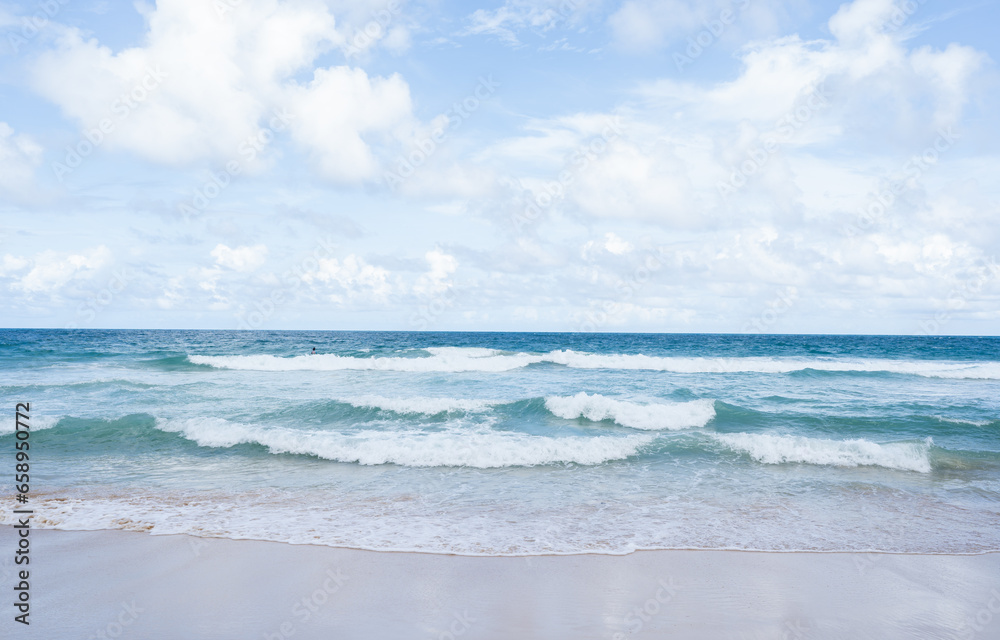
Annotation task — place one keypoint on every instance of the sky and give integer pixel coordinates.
(576, 165)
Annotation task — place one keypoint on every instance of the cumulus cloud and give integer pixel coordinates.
(20, 155)
(241, 258)
(612, 243)
(205, 82)
(640, 26)
(691, 154)
(508, 22)
(847, 111)
(353, 276)
(436, 279)
(50, 271)
(334, 112)
(12, 264)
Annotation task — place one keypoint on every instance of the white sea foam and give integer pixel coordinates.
(974, 423)
(652, 416)
(479, 448)
(775, 449)
(36, 422)
(459, 359)
(424, 406)
(927, 368)
(441, 360)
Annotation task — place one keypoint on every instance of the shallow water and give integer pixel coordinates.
(500, 444)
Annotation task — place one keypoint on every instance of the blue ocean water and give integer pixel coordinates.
(509, 444)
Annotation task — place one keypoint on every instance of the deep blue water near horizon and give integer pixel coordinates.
(515, 443)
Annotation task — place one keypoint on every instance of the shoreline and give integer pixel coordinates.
(612, 554)
(568, 554)
(132, 584)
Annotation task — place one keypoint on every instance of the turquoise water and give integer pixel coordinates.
(499, 444)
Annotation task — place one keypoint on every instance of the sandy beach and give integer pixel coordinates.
(118, 584)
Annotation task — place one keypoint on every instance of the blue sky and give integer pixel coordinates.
(751, 166)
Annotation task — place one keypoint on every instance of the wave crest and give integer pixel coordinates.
(420, 405)
(774, 449)
(466, 359)
(441, 360)
(37, 423)
(653, 416)
(479, 449)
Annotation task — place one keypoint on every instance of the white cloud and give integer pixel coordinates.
(612, 243)
(335, 111)
(515, 16)
(12, 264)
(654, 179)
(860, 93)
(353, 275)
(202, 84)
(640, 26)
(51, 270)
(241, 258)
(435, 280)
(615, 244)
(19, 156)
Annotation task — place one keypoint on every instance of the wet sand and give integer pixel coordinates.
(120, 584)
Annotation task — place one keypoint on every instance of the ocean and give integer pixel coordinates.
(513, 443)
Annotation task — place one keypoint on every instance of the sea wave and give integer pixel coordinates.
(448, 361)
(461, 359)
(480, 449)
(652, 416)
(37, 423)
(679, 364)
(974, 423)
(421, 405)
(777, 449)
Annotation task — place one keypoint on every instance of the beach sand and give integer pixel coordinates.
(120, 584)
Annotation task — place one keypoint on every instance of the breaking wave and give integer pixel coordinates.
(774, 449)
(480, 449)
(652, 416)
(460, 359)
